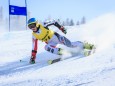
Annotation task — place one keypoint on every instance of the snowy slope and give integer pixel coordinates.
(95, 70)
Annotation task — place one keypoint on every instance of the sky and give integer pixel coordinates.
(63, 9)
(97, 69)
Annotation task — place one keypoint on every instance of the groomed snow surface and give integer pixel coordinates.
(95, 70)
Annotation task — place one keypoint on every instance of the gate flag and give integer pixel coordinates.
(16, 10)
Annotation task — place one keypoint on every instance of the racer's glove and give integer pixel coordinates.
(63, 30)
(32, 60)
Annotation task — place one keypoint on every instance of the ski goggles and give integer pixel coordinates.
(33, 25)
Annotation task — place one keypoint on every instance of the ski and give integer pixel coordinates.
(54, 61)
(48, 62)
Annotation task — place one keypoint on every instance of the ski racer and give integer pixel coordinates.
(51, 38)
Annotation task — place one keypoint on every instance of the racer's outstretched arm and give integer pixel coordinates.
(55, 23)
(34, 48)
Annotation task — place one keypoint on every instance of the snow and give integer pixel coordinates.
(95, 70)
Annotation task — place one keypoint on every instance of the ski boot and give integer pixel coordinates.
(32, 60)
(88, 48)
(62, 51)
